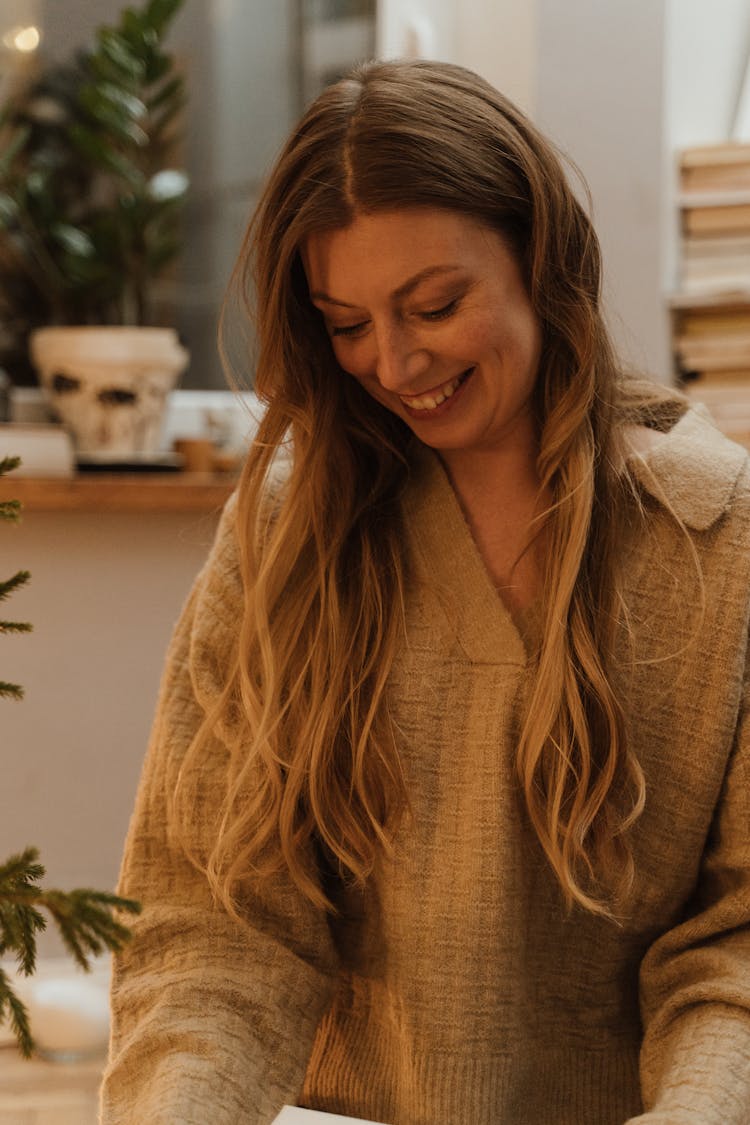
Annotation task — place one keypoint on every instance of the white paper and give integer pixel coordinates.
(292, 1115)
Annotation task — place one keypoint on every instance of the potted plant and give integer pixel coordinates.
(83, 917)
(90, 209)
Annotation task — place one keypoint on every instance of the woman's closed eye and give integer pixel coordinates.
(349, 329)
(429, 315)
(442, 313)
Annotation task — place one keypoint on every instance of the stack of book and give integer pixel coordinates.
(715, 211)
(711, 312)
(712, 338)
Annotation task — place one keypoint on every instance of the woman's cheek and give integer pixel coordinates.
(352, 360)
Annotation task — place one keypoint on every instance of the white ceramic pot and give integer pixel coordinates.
(109, 385)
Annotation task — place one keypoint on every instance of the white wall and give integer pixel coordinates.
(708, 49)
(497, 38)
(105, 592)
(416, 28)
(256, 104)
(601, 98)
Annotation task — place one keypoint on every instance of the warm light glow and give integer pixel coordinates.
(22, 39)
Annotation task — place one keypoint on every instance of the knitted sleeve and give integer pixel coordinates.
(212, 1019)
(695, 980)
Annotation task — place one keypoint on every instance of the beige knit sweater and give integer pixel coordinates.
(457, 991)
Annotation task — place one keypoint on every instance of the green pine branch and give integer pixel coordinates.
(10, 691)
(7, 464)
(8, 585)
(14, 626)
(11, 510)
(84, 918)
(12, 1009)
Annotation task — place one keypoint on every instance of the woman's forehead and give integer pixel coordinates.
(392, 245)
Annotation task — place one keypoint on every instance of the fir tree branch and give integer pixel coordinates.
(18, 876)
(10, 691)
(8, 585)
(21, 870)
(85, 921)
(12, 1009)
(84, 918)
(19, 925)
(10, 509)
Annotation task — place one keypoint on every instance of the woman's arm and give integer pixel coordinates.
(213, 1018)
(695, 980)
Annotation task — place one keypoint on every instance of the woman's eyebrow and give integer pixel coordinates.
(317, 295)
(402, 291)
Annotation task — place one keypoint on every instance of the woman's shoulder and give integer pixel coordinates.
(224, 550)
(220, 581)
(692, 468)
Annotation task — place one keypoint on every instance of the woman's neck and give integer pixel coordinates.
(501, 497)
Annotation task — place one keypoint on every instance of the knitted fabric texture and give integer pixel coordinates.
(456, 990)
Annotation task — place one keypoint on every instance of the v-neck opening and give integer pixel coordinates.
(485, 626)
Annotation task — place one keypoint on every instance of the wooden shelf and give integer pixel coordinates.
(121, 492)
(726, 198)
(710, 299)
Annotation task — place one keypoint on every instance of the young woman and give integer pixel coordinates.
(445, 816)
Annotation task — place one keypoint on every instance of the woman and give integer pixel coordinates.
(444, 819)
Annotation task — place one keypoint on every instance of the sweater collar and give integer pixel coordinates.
(692, 469)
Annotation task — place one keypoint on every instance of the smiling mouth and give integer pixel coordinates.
(432, 399)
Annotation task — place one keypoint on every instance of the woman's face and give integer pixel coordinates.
(428, 310)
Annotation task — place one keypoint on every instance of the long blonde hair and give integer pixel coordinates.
(314, 763)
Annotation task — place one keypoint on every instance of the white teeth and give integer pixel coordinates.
(429, 402)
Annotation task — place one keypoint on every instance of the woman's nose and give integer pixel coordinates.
(400, 360)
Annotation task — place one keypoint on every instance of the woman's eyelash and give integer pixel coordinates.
(429, 314)
(441, 313)
(348, 329)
